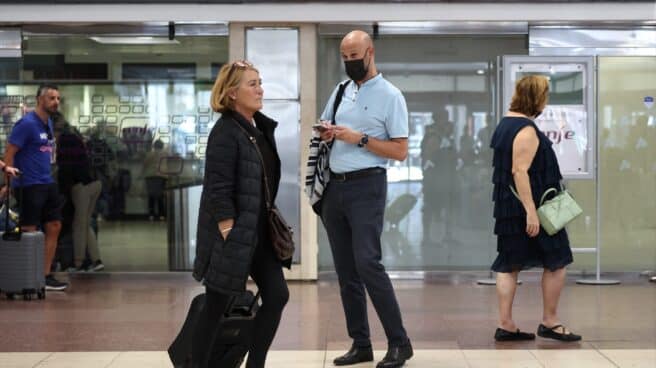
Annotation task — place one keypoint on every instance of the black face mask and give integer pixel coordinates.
(355, 69)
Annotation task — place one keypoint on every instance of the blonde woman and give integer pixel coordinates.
(525, 162)
(233, 237)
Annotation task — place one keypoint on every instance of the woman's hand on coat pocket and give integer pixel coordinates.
(225, 227)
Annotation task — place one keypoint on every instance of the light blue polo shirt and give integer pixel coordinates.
(376, 108)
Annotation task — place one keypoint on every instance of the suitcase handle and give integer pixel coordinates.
(254, 303)
(250, 308)
(11, 235)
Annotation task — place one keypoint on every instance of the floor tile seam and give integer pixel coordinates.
(531, 351)
(49, 354)
(464, 357)
(502, 351)
(113, 360)
(462, 351)
(608, 358)
(602, 355)
(325, 346)
(325, 337)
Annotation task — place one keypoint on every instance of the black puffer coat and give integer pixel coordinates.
(232, 188)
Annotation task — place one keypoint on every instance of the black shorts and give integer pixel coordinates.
(41, 204)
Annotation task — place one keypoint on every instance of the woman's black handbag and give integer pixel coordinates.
(281, 234)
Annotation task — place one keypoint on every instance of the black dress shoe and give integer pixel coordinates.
(355, 355)
(396, 356)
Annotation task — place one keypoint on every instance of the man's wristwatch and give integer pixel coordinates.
(364, 140)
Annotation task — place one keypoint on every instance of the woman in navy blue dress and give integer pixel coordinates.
(523, 158)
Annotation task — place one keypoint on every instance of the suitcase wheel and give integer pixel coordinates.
(41, 294)
(10, 296)
(28, 293)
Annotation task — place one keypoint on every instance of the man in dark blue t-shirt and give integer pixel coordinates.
(30, 150)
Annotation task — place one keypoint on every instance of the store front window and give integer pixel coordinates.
(141, 104)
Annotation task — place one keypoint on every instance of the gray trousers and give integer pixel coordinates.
(84, 199)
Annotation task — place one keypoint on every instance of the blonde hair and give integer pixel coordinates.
(531, 95)
(227, 81)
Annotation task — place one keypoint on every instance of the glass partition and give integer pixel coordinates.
(143, 112)
(439, 205)
(12, 99)
(627, 168)
(275, 53)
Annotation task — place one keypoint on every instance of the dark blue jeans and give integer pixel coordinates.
(352, 213)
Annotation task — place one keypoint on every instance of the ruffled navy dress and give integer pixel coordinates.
(517, 251)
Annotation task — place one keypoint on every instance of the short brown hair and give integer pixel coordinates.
(227, 80)
(531, 95)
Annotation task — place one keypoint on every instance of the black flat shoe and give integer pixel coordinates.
(504, 335)
(355, 355)
(550, 333)
(396, 356)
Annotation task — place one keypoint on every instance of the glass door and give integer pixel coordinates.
(619, 138)
(627, 164)
(12, 100)
(439, 207)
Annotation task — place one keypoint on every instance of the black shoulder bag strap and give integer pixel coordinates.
(267, 194)
(338, 100)
(281, 232)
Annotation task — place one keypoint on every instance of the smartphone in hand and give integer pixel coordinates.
(320, 128)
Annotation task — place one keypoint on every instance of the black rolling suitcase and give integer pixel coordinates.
(232, 340)
(21, 261)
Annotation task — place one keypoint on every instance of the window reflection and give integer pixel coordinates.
(275, 53)
(439, 206)
(627, 142)
(145, 119)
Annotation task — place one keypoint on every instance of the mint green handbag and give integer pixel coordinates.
(557, 212)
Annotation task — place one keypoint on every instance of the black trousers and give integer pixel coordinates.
(352, 213)
(155, 187)
(267, 273)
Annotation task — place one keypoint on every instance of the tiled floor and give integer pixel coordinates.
(128, 320)
(318, 359)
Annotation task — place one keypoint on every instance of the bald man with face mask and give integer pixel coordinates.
(371, 127)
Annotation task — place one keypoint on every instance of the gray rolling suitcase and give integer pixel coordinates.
(21, 262)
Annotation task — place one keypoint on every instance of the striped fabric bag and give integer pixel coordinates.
(318, 171)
